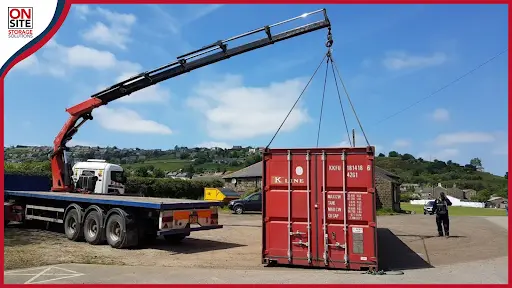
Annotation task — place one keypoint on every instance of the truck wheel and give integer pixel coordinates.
(114, 231)
(93, 232)
(175, 238)
(72, 226)
(239, 209)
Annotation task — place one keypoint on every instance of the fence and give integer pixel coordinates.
(455, 202)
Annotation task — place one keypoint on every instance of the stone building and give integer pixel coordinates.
(245, 180)
(387, 184)
(435, 192)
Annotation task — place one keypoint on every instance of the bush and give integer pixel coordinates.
(408, 196)
(169, 188)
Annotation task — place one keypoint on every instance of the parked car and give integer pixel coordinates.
(251, 203)
(428, 208)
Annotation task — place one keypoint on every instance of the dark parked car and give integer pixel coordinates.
(251, 203)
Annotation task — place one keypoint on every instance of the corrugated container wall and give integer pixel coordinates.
(319, 208)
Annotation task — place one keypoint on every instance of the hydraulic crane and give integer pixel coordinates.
(218, 51)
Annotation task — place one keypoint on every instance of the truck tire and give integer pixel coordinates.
(115, 232)
(175, 238)
(72, 226)
(93, 230)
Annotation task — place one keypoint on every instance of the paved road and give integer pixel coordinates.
(494, 271)
(483, 271)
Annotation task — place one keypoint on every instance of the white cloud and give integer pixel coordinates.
(464, 138)
(115, 33)
(59, 60)
(441, 115)
(128, 121)
(234, 111)
(401, 60)
(401, 143)
(82, 11)
(213, 144)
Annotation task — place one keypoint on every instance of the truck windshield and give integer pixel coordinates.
(117, 176)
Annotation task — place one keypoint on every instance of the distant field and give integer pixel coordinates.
(459, 211)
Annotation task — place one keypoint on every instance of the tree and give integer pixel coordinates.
(506, 175)
(407, 156)
(189, 169)
(158, 173)
(476, 162)
(381, 155)
(393, 154)
(482, 196)
(141, 171)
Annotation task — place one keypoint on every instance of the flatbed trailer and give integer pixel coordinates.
(121, 221)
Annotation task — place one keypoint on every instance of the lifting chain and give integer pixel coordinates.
(329, 41)
(335, 71)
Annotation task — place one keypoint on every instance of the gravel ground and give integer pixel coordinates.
(238, 246)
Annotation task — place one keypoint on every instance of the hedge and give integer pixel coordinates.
(169, 188)
(148, 187)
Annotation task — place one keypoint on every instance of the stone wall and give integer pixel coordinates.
(385, 197)
(243, 185)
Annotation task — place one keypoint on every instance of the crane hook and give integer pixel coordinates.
(329, 41)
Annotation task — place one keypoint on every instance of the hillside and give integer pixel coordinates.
(217, 161)
(426, 173)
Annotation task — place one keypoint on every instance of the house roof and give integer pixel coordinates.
(253, 171)
(386, 174)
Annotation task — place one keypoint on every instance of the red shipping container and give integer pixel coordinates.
(319, 208)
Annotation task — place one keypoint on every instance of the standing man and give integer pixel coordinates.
(441, 210)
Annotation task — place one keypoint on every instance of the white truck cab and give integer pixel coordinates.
(99, 177)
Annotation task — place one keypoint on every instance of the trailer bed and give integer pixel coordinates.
(117, 200)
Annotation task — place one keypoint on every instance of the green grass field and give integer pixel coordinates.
(458, 211)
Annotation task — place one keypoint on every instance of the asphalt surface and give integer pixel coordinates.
(490, 270)
(494, 271)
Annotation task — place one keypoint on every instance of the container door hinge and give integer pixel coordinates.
(372, 224)
(338, 245)
(297, 233)
(300, 243)
(371, 190)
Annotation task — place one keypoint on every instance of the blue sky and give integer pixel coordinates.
(390, 56)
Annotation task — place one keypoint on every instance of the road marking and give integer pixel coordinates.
(44, 272)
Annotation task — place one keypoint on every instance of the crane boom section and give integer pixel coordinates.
(218, 51)
(182, 66)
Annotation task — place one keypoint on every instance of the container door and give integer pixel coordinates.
(347, 218)
(288, 208)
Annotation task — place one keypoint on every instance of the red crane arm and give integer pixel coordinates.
(61, 181)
